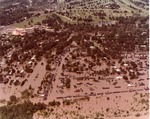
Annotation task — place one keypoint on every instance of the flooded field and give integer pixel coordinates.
(90, 94)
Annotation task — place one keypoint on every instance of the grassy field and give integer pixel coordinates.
(89, 8)
(26, 22)
(144, 11)
(65, 19)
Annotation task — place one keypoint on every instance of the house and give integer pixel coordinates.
(143, 47)
(137, 24)
(92, 47)
(60, 85)
(118, 70)
(50, 10)
(33, 58)
(118, 77)
(30, 62)
(131, 85)
(131, 70)
(114, 67)
(136, 55)
(41, 95)
(125, 65)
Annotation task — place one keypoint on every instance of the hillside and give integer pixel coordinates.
(92, 11)
(95, 11)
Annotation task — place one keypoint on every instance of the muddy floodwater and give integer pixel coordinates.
(106, 96)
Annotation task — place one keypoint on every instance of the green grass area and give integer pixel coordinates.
(78, 11)
(26, 22)
(127, 2)
(65, 19)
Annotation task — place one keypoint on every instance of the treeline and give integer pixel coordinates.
(14, 15)
(23, 110)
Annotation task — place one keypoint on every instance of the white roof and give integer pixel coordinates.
(125, 65)
(130, 85)
(42, 95)
(118, 77)
(33, 57)
(131, 70)
(114, 67)
(9, 56)
(143, 46)
(29, 62)
(21, 71)
(92, 47)
(118, 70)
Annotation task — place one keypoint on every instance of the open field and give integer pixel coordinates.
(26, 22)
(79, 12)
(89, 8)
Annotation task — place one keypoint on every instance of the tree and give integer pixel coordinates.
(137, 115)
(66, 102)
(24, 110)
(54, 103)
(25, 94)
(68, 81)
(125, 77)
(48, 67)
(45, 12)
(13, 99)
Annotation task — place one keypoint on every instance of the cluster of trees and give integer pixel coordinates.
(13, 100)
(101, 15)
(54, 103)
(23, 110)
(53, 21)
(66, 102)
(68, 83)
(114, 6)
(48, 67)
(14, 15)
(126, 40)
(140, 3)
(25, 94)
